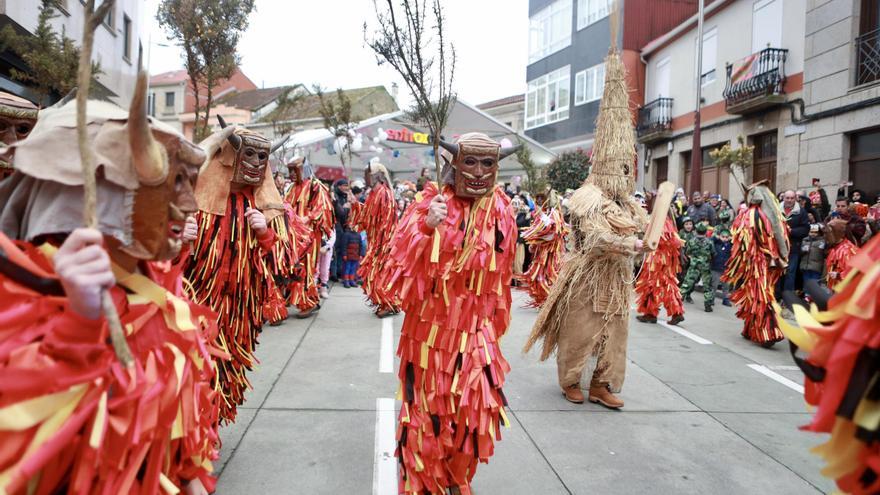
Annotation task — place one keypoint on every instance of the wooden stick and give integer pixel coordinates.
(662, 203)
(93, 19)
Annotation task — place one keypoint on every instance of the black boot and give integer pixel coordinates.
(688, 299)
(647, 319)
(675, 320)
(708, 308)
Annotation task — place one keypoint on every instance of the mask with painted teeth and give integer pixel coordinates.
(473, 159)
(251, 160)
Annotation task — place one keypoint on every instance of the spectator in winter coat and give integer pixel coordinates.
(813, 254)
(699, 211)
(719, 261)
(799, 228)
(352, 257)
(341, 208)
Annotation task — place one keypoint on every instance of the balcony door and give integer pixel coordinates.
(661, 83)
(766, 25)
(864, 162)
(764, 156)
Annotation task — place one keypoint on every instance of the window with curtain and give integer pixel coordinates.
(710, 56)
(548, 98)
(550, 30)
(590, 11)
(589, 84)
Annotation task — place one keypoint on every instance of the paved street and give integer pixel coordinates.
(706, 412)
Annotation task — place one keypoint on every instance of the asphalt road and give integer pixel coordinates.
(706, 412)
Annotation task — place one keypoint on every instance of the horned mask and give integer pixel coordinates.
(473, 159)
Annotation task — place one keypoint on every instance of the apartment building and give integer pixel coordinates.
(568, 41)
(118, 43)
(798, 79)
(509, 111)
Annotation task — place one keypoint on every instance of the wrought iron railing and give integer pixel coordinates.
(655, 116)
(868, 57)
(756, 76)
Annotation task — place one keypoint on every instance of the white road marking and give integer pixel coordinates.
(797, 387)
(685, 333)
(384, 462)
(784, 367)
(386, 353)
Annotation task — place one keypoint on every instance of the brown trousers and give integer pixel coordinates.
(585, 333)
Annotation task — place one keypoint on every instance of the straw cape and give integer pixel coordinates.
(585, 312)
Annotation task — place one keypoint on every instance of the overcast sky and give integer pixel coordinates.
(322, 42)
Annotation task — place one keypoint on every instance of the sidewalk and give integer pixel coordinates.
(706, 412)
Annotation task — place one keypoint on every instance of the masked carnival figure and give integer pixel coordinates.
(587, 311)
(657, 284)
(758, 258)
(545, 237)
(451, 264)
(17, 119)
(73, 418)
(311, 202)
(377, 216)
(240, 229)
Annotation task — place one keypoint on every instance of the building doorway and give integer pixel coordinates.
(764, 156)
(661, 170)
(715, 179)
(864, 162)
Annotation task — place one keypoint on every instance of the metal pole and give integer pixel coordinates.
(696, 149)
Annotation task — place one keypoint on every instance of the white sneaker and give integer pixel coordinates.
(324, 293)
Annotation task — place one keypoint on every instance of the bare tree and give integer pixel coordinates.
(339, 120)
(405, 42)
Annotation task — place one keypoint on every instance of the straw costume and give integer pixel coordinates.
(73, 417)
(757, 259)
(231, 265)
(841, 337)
(587, 310)
(546, 238)
(453, 271)
(311, 202)
(658, 281)
(378, 218)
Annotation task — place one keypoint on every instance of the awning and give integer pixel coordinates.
(404, 147)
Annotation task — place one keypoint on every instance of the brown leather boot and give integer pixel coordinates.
(599, 394)
(574, 394)
(675, 320)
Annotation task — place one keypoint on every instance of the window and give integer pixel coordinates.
(710, 56)
(547, 99)
(590, 11)
(169, 101)
(550, 30)
(588, 84)
(766, 25)
(108, 21)
(864, 161)
(662, 78)
(151, 104)
(126, 38)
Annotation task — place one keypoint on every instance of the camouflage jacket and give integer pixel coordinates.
(700, 250)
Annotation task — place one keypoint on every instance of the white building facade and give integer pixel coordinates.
(118, 42)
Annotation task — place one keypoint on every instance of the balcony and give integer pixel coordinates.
(756, 82)
(655, 121)
(868, 58)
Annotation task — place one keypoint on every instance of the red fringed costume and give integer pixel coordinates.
(838, 261)
(754, 269)
(311, 202)
(546, 238)
(658, 281)
(281, 266)
(378, 218)
(228, 273)
(454, 284)
(72, 418)
(842, 371)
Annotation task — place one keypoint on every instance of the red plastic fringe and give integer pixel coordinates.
(281, 263)
(311, 205)
(73, 420)
(228, 273)
(658, 281)
(378, 218)
(456, 295)
(750, 271)
(546, 238)
(842, 371)
(838, 261)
